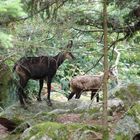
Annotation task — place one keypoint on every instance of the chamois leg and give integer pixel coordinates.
(71, 95)
(97, 97)
(49, 90)
(41, 86)
(21, 94)
(78, 95)
(92, 95)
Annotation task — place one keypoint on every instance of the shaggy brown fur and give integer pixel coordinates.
(87, 83)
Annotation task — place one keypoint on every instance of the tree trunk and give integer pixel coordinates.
(105, 79)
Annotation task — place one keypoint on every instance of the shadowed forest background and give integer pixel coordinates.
(44, 27)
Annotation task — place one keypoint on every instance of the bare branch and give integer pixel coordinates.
(96, 30)
(113, 43)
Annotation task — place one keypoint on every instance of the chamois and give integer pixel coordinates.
(91, 83)
(39, 68)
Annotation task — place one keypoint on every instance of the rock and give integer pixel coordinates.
(69, 118)
(129, 94)
(44, 116)
(59, 97)
(1, 109)
(53, 130)
(86, 135)
(129, 125)
(73, 103)
(21, 127)
(116, 104)
(45, 137)
(59, 111)
(3, 132)
(86, 105)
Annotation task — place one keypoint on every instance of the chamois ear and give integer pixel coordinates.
(70, 44)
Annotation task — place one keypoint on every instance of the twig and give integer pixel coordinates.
(101, 38)
(97, 30)
(114, 47)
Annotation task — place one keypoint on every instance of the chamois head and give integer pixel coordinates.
(112, 75)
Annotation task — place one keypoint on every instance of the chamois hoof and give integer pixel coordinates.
(24, 107)
(39, 99)
(49, 103)
(28, 101)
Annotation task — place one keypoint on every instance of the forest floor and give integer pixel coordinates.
(67, 118)
(75, 118)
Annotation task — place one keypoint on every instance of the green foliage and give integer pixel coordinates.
(10, 9)
(135, 111)
(32, 89)
(122, 137)
(5, 40)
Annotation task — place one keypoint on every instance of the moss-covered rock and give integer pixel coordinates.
(57, 131)
(129, 94)
(129, 125)
(121, 136)
(5, 77)
(30, 116)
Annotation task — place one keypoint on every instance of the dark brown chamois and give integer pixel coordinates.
(39, 68)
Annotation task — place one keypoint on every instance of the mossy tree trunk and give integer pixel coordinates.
(105, 89)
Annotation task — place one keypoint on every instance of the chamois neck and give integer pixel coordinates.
(59, 58)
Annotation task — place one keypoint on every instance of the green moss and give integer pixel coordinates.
(121, 136)
(89, 111)
(49, 128)
(55, 130)
(18, 120)
(92, 111)
(12, 137)
(135, 112)
(134, 89)
(122, 94)
(45, 116)
(129, 94)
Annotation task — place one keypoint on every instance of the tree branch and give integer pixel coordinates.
(96, 30)
(48, 4)
(113, 43)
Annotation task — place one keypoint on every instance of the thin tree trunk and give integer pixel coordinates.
(105, 79)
